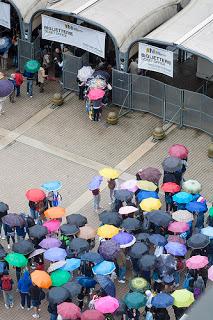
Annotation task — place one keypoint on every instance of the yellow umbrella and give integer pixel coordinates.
(150, 204)
(109, 173)
(146, 185)
(183, 298)
(107, 231)
(87, 232)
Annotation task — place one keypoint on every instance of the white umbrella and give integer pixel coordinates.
(192, 186)
(85, 73)
(56, 265)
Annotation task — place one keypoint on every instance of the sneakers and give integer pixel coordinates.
(8, 247)
(12, 305)
(121, 281)
(3, 238)
(21, 307)
(6, 306)
(36, 315)
(31, 96)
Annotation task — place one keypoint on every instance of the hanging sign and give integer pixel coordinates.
(5, 15)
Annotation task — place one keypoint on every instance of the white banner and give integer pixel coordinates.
(69, 33)
(155, 59)
(5, 15)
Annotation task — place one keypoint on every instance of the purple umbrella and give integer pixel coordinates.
(95, 183)
(50, 243)
(6, 88)
(176, 249)
(150, 174)
(124, 239)
(109, 249)
(55, 254)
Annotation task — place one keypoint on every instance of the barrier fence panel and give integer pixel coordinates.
(121, 93)
(25, 53)
(71, 65)
(156, 97)
(37, 48)
(173, 105)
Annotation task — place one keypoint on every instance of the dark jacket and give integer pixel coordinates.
(52, 308)
(25, 283)
(35, 293)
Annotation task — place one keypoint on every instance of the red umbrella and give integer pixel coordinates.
(170, 187)
(92, 315)
(35, 195)
(68, 310)
(179, 151)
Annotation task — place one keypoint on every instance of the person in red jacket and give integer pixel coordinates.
(19, 80)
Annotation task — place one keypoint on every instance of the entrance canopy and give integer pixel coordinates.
(27, 8)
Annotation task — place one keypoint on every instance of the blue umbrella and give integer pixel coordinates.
(52, 186)
(5, 44)
(197, 207)
(71, 264)
(146, 194)
(95, 183)
(55, 254)
(104, 268)
(182, 197)
(93, 257)
(107, 285)
(157, 239)
(86, 282)
(208, 231)
(176, 249)
(6, 88)
(162, 300)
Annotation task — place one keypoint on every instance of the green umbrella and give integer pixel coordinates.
(211, 212)
(135, 300)
(138, 284)
(16, 260)
(60, 277)
(32, 66)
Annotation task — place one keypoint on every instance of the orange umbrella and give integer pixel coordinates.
(87, 232)
(41, 279)
(54, 213)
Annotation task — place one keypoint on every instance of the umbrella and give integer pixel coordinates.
(159, 218)
(135, 300)
(162, 300)
(146, 185)
(16, 260)
(101, 74)
(95, 183)
(106, 284)
(131, 224)
(93, 257)
(3, 207)
(150, 204)
(147, 262)
(5, 44)
(176, 238)
(68, 310)
(35, 195)
(96, 83)
(6, 88)
(38, 231)
(197, 262)
(56, 265)
(178, 227)
(172, 164)
(69, 229)
(71, 264)
(86, 282)
(157, 239)
(211, 212)
(192, 186)
(130, 185)
(85, 73)
(76, 219)
(142, 195)
(208, 231)
(179, 151)
(57, 295)
(127, 210)
(60, 277)
(176, 249)
(106, 304)
(13, 220)
(197, 207)
(32, 66)
(79, 245)
(137, 250)
(182, 216)
(143, 236)
(55, 254)
(170, 187)
(52, 225)
(182, 197)
(54, 213)
(96, 94)
(51, 186)
(92, 315)
(110, 217)
(23, 246)
(2, 253)
(182, 298)
(36, 253)
(139, 284)
(210, 273)
(121, 309)
(104, 268)
(124, 239)
(123, 195)
(150, 174)
(109, 249)
(198, 241)
(41, 279)
(50, 243)
(74, 288)
(107, 231)
(87, 232)
(109, 173)
(165, 264)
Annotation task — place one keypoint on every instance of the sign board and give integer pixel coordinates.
(69, 33)
(155, 59)
(5, 15)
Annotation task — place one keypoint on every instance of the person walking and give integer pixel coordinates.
(24, 285)
(35, 293)
(41, 78)
(2, 214)
(96, 109)
(30, 78)
(96, 199)
(121, 262)
(12, 95)
(6, 284)
(18, 82)
(111, 186)
(9, 233)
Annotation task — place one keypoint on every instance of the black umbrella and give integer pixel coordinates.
(137, 250)
(77, 219)
(23, 246)
(123, 195)
(147, 262)
(159, 218)
(57, 295)
(143, 236)
(93, 257)
(198, 241)
(74, 288)
(3, 207)
(79, 245)
(69, 229)
(13, 220)
(131, 224)
(38, 231)
(107, 285)
(110, 217)
(172, 164)
(166, 264)
(101, 73)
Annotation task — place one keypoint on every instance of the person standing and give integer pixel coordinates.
(96, 109)
(35, 293)
(2, 214)
(121, 262)
(111, 186)
(6, 284)
(10, 233)
(19, 80)
(96, 199)
(24, 285)
(12, 95)
(30, 78)
(52, 309)
(41, 78)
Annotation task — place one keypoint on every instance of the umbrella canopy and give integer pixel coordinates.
(69, 229)
(137, 250)
(127, 210)
(110, 217)
(106, 284)
(135, 300)
(101, 74)
(109, 173)
(124, 239)
(13, 220)
(210, 273)
(95, 183)
(68, 310)
(182, 298)
(104, 268)
(179, 151)
(142, 236)
(150, 204)
(142, 195)
(96, 94)
(3, 207)
(170, 187)
(92, 315)
(57, 295)
(176, 238)
(60, 277)
(36, 253)
(54, 213)
(96, 83)
(23, 246)
(93, 257)
(16, 260)
(41, 279)
(182, 216)
(197, 207)
(197, 262)
(211, 212)
(79, 245)
(146, 185)
(87, 232)
(139, 284)
(130, 185)
(176, 249)
(85, 73)
(123, 195)
(38, 231)
(157, 239)
(56, 265)
(178, 227)
(51, 186)
(159, 218)
(172, 164)
(192, 186)
(5, 44)
(107, 231)
(147, 262)
(182, 197)
(32, 66)
(208, 231)
(198, 241)
(55, 254)
(74, 288)
(86, 282)
(71, 264)
(50, 243)
(131, 224)
(35, 195)
(165, 264)
(109, 249)
(76, 219)
(162, 300)
(52, 225)
(6, 88)
(150, 174)
(106, 304)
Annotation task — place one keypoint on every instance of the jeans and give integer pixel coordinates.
(25, 297)
(15, 60)
(122, 273)
(210, 257)
(8, 298)
(30, 87)
(111, 194)
(33, 213)
(8, 239)
(97, 200)
(200, 221)
(17, 91)
(96, 114)
(53, 316)
(176, 277)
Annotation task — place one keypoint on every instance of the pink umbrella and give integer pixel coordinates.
(197, 262)
(130, 185)
(50, 243)
(68, 310)
(179, 151)
(178, 227)
(52, 225)
(95, 94)
(127, 210)
(106, 304)
(210, 273)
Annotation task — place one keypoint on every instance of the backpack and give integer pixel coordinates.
(187, 282)
(197, 293)
(6, 283)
